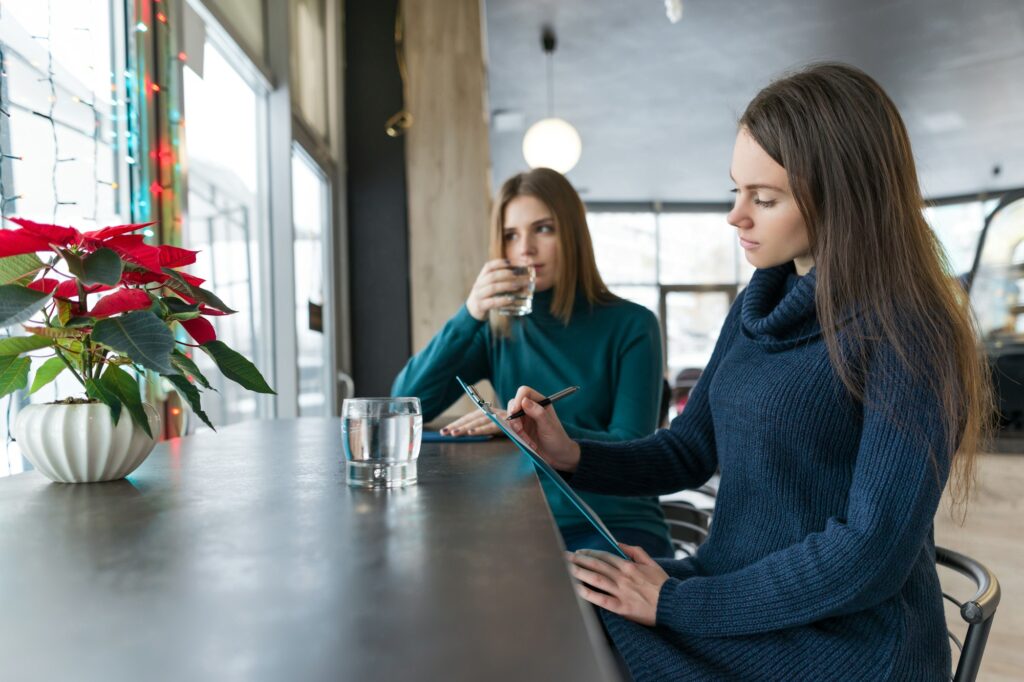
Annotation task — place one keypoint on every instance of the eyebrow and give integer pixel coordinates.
(548, 219)
(758, 186)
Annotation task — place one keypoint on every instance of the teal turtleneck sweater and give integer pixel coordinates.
(612, 351)
(820, 563)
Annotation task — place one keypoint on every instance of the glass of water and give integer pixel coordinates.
(521, 301)
(381, 439)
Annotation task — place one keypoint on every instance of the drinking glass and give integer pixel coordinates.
(381, 439)
(521, 302)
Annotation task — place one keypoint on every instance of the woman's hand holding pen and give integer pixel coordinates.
(493, 288)
(542, 430)
(631, 588)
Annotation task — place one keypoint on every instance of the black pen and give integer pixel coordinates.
(547, 401)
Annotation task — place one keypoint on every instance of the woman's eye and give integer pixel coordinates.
(509, 236)
(767, 203)
(541, 229)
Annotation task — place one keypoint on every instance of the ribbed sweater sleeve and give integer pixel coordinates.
(682, 456)
(637, 394)
(855, 561)
(459, 349)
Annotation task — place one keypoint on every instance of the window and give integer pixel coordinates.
(958, 227)
(310, 218)
(686, 267)
(226, 115)
(63, 135)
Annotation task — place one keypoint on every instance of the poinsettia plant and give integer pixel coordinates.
(103, 303)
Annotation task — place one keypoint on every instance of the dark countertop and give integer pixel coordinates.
(242, 555)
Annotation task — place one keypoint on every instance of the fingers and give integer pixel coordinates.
(592, 559)
(637, 554)
(469, 424)
(515, 404)
(605, 601)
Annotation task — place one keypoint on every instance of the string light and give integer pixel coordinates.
(141, 27)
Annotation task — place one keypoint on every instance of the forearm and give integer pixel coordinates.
(459, 349)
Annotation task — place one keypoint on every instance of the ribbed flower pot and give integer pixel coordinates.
(79, 443)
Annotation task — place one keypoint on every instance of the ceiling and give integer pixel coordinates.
(656, 103)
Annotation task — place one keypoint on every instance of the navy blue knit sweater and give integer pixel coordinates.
(820, 563)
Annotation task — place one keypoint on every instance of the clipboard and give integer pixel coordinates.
(545, 469)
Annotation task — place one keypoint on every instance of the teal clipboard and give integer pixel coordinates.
(545, 468)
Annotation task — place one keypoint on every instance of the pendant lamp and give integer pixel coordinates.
(551, 142)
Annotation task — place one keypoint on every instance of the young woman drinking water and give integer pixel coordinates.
(579, 333)
(843, 391)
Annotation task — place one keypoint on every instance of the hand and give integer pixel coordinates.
(542, 430)
(493, 288)
(475, 423)
(631, 587)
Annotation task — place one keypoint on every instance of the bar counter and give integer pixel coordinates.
(243, 555)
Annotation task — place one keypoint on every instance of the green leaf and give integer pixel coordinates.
(191, 394)
(13, 373)
(126, 388)
(16, 345)
(63, 311)
(18, 304)
(56, 332)
(178, 309)
(235, 367)
(19, 269)
(200, 295)
(96, 390)
(75, 265)
(184, 364)
(47, 373)
(140, 335)
(103, 266)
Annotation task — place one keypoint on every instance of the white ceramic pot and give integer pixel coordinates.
(81, 444)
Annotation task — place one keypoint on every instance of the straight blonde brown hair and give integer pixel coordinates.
(577, 269)
(848, 159)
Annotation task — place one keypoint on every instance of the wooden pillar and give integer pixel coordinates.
(447, 158)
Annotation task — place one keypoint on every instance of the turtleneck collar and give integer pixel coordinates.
(778, 307)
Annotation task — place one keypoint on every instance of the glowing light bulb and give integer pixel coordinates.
(552, 143)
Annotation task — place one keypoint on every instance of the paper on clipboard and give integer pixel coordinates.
(545, 468)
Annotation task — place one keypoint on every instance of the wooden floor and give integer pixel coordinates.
(992, 535)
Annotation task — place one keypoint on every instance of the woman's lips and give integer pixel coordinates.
(747, 244)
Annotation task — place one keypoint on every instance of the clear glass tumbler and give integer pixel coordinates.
(381, 438)
(521, 301)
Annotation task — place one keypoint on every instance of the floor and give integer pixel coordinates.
(988, 535)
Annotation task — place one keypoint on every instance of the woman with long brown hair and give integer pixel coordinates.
(845, 389)
(578, 333)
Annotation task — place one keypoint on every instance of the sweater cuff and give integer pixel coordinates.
(464, 321)
(590, 473)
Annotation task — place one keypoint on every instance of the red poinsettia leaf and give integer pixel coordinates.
(18, 242)
(207, 310)
(174, 257)
(115, 231)
(45, 285)
(139, 277)
(199, 329)
(53, 234)
(133, 249)
(192, 279)
(122, 301)
(69, 289)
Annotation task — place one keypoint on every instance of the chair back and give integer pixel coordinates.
(977, 612)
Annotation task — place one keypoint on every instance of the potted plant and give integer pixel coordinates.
(107, 307)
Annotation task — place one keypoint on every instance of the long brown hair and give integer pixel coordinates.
(848, 159)
(577, 267)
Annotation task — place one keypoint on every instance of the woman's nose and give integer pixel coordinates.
(527, 247)
(739, 218)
